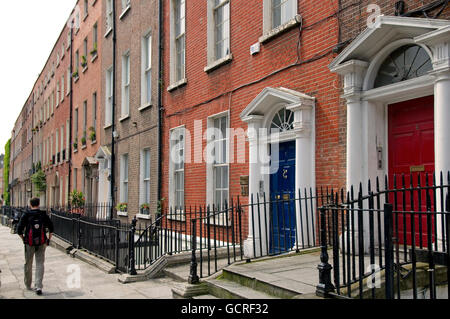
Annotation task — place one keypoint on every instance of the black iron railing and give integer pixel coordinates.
(392, 242)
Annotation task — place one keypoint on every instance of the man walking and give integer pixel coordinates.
(32, 228)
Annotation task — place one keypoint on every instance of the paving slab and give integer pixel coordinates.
(60, 271)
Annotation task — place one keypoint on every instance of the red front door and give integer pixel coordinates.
(411, 152)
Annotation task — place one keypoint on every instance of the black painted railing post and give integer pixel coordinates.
(132, 269)
(193, 277)
(389, 253)
(117, 243)
(325, 286)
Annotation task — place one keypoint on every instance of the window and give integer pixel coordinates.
(124, 178)
(94, 40)
(126, 85)
(56, 145)
(220, 166)
(405, 63)
(84, 118)
(146, 96)
(125, 4)
(85, 53)
(75, 125)
(283, 121)
(109, 14)
(57, 93)
(221, 28)
(109, 97)
(62, 141)
(86, 8)
(177, 164)
(178, 41)
(69, 38)
(94, 110)
(145, 177)
(282, 11)
(69, 80)
(77, 60)
(62, 88)
(75, 174)
(67, 135)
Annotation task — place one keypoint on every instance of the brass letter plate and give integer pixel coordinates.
(420, 168)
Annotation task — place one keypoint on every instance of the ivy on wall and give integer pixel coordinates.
(39, 181)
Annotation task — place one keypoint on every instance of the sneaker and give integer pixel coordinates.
(38, 292)
(29, 288)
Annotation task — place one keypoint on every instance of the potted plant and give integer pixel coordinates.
(83, 141)
(122, 207)
(83, 61)
(77, 201)
(94, 51)
(39, 180)
(75, 144)
(75, 74)
(92, 134)
(145, 209)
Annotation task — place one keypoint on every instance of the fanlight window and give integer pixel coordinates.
(283, 120)
(405, 63)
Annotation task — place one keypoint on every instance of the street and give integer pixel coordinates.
(69, 278)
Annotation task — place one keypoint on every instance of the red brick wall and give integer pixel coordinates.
(184, 105)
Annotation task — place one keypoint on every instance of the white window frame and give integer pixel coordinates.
(144, 194)
(214, 59)
(175, 147)
(175, 64)
(269, 30)
(126, 75)
(146, 71)
(211, 164)
(124, 167)
(109, 15)
(109, 96)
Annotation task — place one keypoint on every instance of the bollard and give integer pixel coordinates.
(325, 286)
(132, 269)
(193, 277)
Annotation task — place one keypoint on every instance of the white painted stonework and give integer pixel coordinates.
(259, 115)
(367, 119)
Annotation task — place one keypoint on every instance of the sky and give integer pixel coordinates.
(28, 32)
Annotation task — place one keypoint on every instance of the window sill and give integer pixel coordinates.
(122, 214)
(141, 216)
(125, 11)
(75, 80)
(177, 85)
(125, 117)
(83, 147)
(218, 63)
(108, 32)
(84, 69)
(85, 17)
(280, 29)
(107, 126)
(75, 150)
(94, 57)
(93, 142)
(144, 107)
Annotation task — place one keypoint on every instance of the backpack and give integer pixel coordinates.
(35, 230)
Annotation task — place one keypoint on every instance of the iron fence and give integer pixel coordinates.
(390, 242)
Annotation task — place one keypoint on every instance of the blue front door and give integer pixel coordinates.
(282, 193)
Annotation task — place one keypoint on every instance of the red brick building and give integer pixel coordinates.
(87, 93)
(236, 64)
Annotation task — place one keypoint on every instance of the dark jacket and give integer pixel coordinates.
(24, 221)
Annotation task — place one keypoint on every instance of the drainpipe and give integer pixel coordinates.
(71, 113)
(113, 127)
(160, 107)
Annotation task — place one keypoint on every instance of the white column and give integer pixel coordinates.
(441, 122)
(304, 167)
(251, 244)
(354, 72)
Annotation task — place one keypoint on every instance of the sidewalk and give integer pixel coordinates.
(60, 281)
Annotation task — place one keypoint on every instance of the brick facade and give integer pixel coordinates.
(137, 130)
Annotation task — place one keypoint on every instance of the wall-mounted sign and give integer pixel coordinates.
(244, 185)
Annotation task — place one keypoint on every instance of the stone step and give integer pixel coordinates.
(225, 289)
(205, 297)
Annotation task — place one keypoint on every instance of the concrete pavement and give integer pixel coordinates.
(69, 278)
